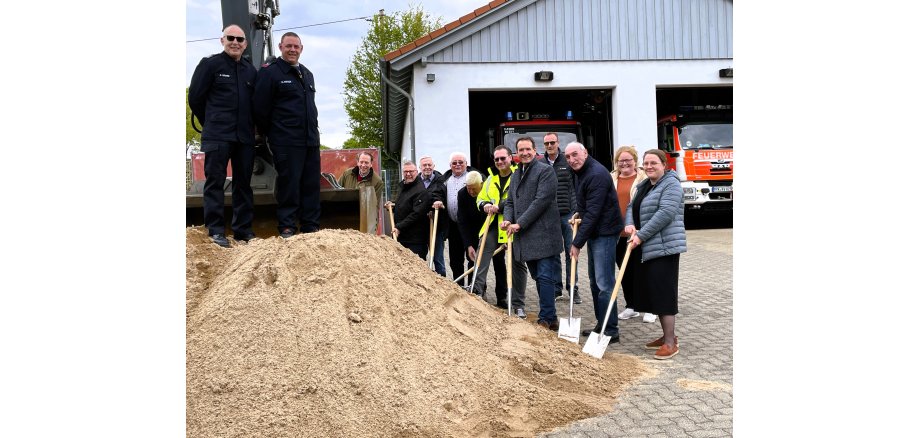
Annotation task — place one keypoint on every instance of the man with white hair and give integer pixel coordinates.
(453, 182)
(411, 211)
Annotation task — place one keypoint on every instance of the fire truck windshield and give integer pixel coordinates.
(706, 136)
(537, 136)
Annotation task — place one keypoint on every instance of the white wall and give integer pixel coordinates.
(442, 107)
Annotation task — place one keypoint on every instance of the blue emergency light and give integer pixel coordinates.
(568, 115)
(509, 116)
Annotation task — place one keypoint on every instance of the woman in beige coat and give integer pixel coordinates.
(626, 176)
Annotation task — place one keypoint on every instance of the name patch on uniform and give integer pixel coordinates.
(286, 82)
(223, 75)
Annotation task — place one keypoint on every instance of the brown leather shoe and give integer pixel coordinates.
(657, 343)
(666, 352)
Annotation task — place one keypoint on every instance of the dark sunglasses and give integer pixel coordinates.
(457, 163)
(231, 38)
(501, 158)
(547, 143)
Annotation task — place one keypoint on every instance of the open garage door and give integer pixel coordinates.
(499, 117)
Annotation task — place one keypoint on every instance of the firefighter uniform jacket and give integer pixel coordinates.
(284, 105)
(220, 96)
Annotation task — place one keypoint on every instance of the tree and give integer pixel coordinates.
(362, 80)
(192, 137)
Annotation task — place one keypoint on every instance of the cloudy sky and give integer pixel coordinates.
(328, 48)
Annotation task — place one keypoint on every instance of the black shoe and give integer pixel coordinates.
(287, 233)
(577, 298)
(308, 229)
(613, 338)
(554, 326)
(221, 240)
(596, 329)
(558, 295)
(245, 237)
(502, 304)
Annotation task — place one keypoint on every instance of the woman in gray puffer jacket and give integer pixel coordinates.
(655, 219)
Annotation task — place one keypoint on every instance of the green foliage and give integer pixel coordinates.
(362, 80)
(351, 143)
(192, 137)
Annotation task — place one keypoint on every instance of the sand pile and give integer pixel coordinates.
(340, 333)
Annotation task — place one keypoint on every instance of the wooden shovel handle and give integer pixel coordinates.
(392, 221)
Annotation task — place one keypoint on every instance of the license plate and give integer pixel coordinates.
(721, 189)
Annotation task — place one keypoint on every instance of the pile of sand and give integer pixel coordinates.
(340, 333)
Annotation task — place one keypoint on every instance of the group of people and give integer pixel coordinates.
(234, 102)
(532, 206)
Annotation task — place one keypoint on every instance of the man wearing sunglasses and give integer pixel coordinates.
(491, 199)
(565, 200)
(285, 112)
(219, 95)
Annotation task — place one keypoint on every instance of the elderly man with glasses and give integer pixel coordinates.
(453, 182)
(411, 211)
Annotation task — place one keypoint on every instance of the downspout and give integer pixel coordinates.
(411, 109)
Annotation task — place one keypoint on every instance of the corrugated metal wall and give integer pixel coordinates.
(593, 30)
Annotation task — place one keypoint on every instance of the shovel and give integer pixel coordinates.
(468, 271)
(482, 246)
(434, 232)
(508, 267)
(597, 343)
(570, 328)
(392, 221)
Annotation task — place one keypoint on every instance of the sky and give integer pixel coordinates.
(328, 48)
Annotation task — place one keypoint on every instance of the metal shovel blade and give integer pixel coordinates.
(596, 345)
(570, 329)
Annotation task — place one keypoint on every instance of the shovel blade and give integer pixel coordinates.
(596, 345)
(570, 329)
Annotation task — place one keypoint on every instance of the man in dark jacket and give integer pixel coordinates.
(411, 212)
(453, 181)
(285, 112)
(220, 95)
(601, 224)
(565, 200)
(531, 219)
(431, 179)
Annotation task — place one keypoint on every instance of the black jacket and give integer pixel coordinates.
(284, 105)
(438, 191)
(411, 212)
(469, 219)
(597, 201)
(220, 96)
(565, 184)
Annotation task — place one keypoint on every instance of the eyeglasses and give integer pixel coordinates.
(232, 38)
(410, 171)
(625, 161)
(547, 143)
(498, 159)
(457, 163)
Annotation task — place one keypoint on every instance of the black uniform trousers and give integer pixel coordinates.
(297, 187)
(241, 156)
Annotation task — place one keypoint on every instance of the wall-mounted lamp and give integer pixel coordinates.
(725, 73)
(543, 76)
(430, 77)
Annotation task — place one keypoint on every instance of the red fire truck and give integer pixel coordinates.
(535, 126)
(698, 140)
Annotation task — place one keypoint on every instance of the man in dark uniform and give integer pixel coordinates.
(285, 112)
(411, 212)
(220, 95)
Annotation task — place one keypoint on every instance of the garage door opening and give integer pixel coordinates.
(500, 117)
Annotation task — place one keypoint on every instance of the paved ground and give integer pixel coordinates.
(692, 392)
